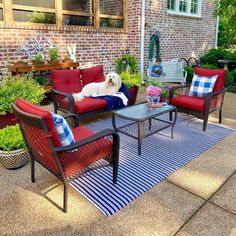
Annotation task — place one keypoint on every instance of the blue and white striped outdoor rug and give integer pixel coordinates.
(160, 157)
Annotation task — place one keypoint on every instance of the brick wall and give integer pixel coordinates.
(93, 46)
(181, 36)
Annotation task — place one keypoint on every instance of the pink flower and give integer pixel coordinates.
(153, 90)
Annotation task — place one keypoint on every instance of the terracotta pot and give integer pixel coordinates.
(53, 62)
(133, 92)
(7, 119)
(14, 159)
(67, 61)
(164, 99)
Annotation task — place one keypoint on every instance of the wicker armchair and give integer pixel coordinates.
(65, 162)
(200, 107)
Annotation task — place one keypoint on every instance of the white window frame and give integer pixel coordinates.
(188, 13)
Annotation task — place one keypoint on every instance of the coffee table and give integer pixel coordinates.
(146, 121)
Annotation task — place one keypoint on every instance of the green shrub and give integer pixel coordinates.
(41, 80)
(207, 66)
(11, 138)
(24, 87)
(131, 80)
(53, 54)
(127, 61)
(190, 72)
(42, 17)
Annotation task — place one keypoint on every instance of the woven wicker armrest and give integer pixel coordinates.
(68, 96)
(210, 96)
(75, 122)
(96, 136)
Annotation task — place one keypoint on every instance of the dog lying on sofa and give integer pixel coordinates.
(68, 82)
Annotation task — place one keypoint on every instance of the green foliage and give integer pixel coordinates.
(41, 80)
(155, 82)
(53, 54)
(66, 57)
(231, 79)
(127, 61)
(42, 17)
(207, 66)
(24, 87)
(227, 30)
(22, 62)
(38, 59)
(131, 80)
(190, 72)
(106, 22)
(11, 138)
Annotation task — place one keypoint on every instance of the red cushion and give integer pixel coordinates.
(192, 103)
(90, 104)
(38, 111)
(220, 82)
(73, 162)
(81, 132)
(66, 80)
(93, 74)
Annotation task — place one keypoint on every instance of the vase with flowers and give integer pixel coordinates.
(153, 96)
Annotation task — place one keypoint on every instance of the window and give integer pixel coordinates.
(185, 7)
(72, 13)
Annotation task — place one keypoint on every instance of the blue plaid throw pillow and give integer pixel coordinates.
(65, 134)
(201, 85)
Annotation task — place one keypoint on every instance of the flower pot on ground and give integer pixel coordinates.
(23, 86)
(133, 82)
(13, 153)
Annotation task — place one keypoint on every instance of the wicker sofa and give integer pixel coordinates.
(67, 82)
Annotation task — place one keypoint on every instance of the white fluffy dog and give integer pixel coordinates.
(110, 86)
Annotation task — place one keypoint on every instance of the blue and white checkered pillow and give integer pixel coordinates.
(65, 134)
(201, 85)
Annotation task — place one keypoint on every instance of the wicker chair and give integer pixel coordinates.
(65, 162)
(200, 107)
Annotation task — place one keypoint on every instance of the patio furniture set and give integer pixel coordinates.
(69, 161)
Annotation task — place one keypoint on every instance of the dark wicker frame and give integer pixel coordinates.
(208, 106)
(39, 123)
(71, 109)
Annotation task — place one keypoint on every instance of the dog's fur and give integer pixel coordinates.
(110, 86)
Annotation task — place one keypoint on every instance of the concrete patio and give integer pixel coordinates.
(198, 199)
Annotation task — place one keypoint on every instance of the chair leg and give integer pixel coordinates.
(205, 120)
(32, 170)
(170, 116)
(220, 116)
(115, 170)
(65, 198)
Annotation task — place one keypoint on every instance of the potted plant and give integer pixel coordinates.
(38, 59)
(13, 153)
(53, 55)
(67, 59)
(23, 86)
(21, 63)
(133, 82)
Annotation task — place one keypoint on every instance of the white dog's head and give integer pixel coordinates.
(113, 80)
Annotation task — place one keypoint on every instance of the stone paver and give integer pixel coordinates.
(226, 196)
(210, 221)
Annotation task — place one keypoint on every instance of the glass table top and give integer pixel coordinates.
(142, 111)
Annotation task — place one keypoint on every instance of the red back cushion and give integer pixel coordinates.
(66, 80)
(220, 82)
(38, 111)
(93, 74)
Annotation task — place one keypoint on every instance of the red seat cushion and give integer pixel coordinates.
(90, 104)
(66, 80)
(73, 162)
(93, 74)
(220, 82)
(189, 102)
(39, 111)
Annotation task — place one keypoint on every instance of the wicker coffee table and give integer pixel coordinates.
(146, 121)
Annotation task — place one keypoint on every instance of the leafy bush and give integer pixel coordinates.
(38, 59)
(11, 138)
(42, 17)
(131, 80)
(207, 66)
(53, 54)
(127, 61)
(24, 87)
(41, 80)
(190, 72)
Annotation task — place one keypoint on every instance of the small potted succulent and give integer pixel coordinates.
(53, 56)
(67, 59)
(13, 153)
(38, 59)
(21, 63)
